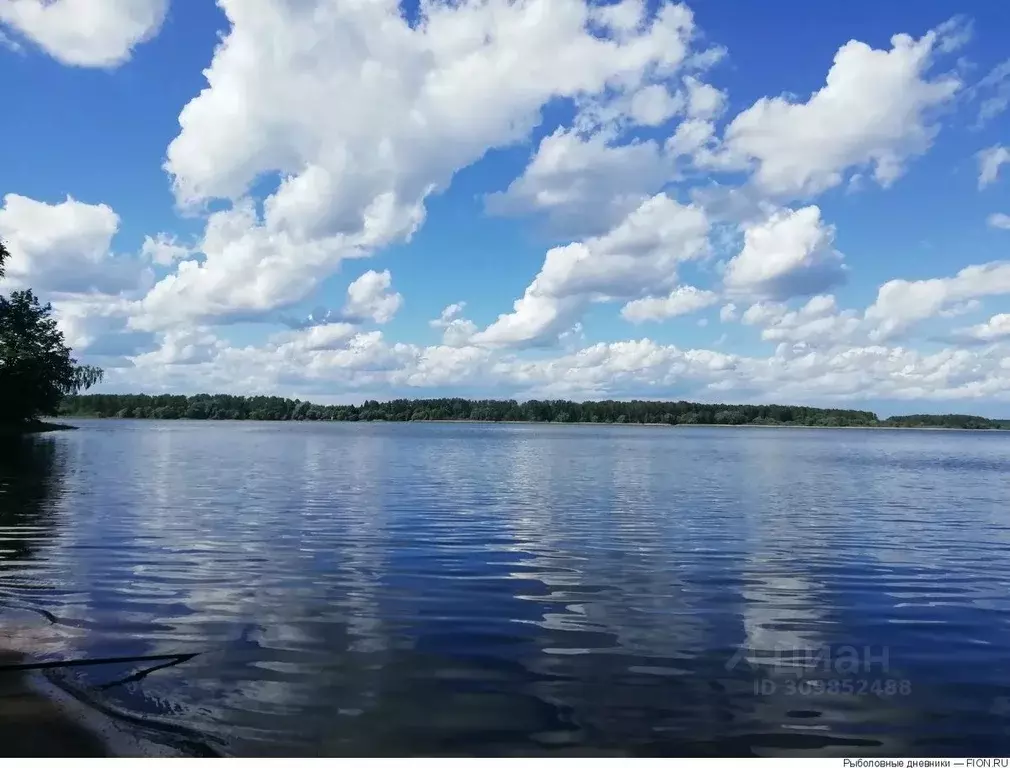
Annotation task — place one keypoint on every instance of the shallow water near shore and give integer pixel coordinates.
(390, 589)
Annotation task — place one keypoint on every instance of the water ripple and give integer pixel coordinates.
(518, 589)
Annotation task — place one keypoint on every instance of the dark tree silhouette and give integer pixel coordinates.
(36, 367)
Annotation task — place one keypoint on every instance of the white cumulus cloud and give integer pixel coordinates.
(84, 33)
(728, 313)
(584, 183)
(456, 329)
(428, 99)
(370, 297)
(65, 247)
(789, 253)
(995, 328)
(164, 249)
(819, 322)
(637, 257)
(902, 303)
(875, 110)
(682, 300)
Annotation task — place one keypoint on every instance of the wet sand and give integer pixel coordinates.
(38, 718)
(32, 725)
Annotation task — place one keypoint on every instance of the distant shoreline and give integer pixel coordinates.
(661, 424)
(223, 407)
(852, 426)
(57, 426)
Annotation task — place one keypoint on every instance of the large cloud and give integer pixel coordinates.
(996, 328)
(585, 184)
(680, 301)
(65, 247)
(789, 253)
(63, 251)
(96, 324)
(818, 322)
(456, 329)
(587, 181)
(363, 116)
(901, 304)
(369, 297)
(85, 33)
(639, 256)
(875, 109)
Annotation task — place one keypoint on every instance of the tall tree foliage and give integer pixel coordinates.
(36, 367)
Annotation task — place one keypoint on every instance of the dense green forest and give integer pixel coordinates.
(950, 420)
(603, 412)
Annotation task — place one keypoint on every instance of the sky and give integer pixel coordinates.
(345, 199)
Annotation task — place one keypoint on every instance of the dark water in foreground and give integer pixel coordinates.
(493, 589)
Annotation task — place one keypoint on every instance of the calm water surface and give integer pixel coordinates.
(497, 589)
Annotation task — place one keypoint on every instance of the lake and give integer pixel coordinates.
(488, 589)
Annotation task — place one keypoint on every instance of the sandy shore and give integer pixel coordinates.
(39, 718)
(33, 725)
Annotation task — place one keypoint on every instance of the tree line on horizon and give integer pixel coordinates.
(264, 408)
(36, 367)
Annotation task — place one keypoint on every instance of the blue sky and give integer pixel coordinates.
(782, 201)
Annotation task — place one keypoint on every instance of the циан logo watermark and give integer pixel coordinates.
(823, 670)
